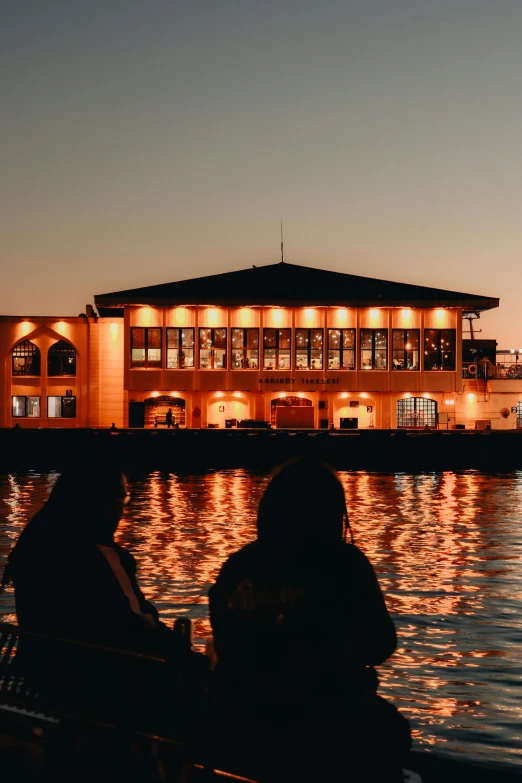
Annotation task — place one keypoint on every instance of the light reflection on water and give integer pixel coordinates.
(448, 551)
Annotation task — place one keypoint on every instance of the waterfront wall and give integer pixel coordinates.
(198, 450)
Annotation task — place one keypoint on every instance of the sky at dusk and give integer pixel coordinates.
(149, 141)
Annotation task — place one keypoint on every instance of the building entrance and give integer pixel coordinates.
(156, 409)
(292, 413)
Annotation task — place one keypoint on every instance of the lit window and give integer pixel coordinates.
(309, 349)
(245, 349)
(146, 347)
(212, 349)
(61, 359)
(374, 349)
(26, 359)
(439, 349)
(341, 349)
(61, 407)
(276, 349)
(180, 349)
(26, 407)
(405, 349)
(416, 412)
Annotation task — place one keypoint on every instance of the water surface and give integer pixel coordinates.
(448, 552)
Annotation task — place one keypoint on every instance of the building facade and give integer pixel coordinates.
(284, 345)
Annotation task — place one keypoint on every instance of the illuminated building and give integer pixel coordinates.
(284, 344)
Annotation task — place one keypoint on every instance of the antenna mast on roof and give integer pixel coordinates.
(282, 253)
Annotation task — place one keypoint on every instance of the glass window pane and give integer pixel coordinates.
(187, 358)
(68, 407)
(334, 338)
(187, 338)
(269, 360)
(237, 339)
(269, 338)
(137, 337)
(172, 338)
(138, 356)
(366, 338)
(19, 407)
(348, 338)
(284, 338)
(220, 338)
(54, 407)
(33, 407)
(172, 358)
(154, 338)
(253, 339)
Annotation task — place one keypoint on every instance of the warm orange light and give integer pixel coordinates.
(219, 394)
(440, 317)
(374, 314)
(246, 317)
(450, 402)
(277, 317)
(340, 317)
(180, 316)
(155, 394)
(407, 396)
(145, 316)
(114, 330)
(237, 394)
(300, 394)
(344, 395)
(471, 397)
(212, 316)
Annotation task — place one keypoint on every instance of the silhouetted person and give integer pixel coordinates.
(168, 418)
(299, 621)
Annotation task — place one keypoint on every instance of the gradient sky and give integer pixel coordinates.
(156, 140)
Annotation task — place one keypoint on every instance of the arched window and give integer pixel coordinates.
(26, 359)
(61, 359)
(416, 412)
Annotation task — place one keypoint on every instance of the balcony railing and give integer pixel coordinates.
(485, 370)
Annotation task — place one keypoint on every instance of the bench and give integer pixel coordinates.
(135, 717)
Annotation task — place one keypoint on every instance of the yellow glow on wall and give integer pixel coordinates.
(374, 315)
(310, 317)
(282, 394)
(180, 316)
(114, 331)
(300, 394)
(219, 394)
(364, 395)
(24, 328)
(237, 394)
(155, 394)
(145, 316)
(471, 397)
(340, 318)
(344, 395)
(277, 317)
(213, 316)
(449, 402)
(246, 317)
(406, 396)
(440, 317)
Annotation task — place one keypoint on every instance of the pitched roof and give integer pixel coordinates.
(292, 285)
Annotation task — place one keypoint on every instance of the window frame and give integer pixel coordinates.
(373, 350)
(17, 353)
(404, 359)
(342, 351)
(437, 352)
(212, 348)
(422, 410)
(26, 397)
(241, 355)
(62, 398)
(181, 349)
(146, 363)
(68, 350)
(309, 351)
(280, 354)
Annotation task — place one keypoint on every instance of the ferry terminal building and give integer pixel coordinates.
(285, 345)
